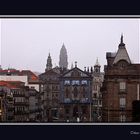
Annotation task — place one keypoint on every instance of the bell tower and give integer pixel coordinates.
(97, 67)
(49, 63)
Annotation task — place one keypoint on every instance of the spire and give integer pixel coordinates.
(97, 62)
(63, 62)
(121, 45)
(122, 53)
(49, 63)
(63, 46)
(121, 38)
(97, 66)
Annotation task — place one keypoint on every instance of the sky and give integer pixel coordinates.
(26, 43)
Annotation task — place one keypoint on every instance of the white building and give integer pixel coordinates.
(14, 78)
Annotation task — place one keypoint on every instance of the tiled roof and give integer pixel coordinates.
(11, 84)
(30, 74)
(12, 71)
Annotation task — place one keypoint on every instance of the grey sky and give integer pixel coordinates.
(25, 43)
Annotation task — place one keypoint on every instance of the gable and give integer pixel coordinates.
(75, 72)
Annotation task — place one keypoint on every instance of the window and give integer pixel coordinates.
(67, 82)
(84, 82)
(75, 92)
(75, 82)
(95, 102)
(100, 102)
(67, 93)
(122, 118)
(122, 102)
(95, 95)
(122, 86)
(100, 95)
(67, 111)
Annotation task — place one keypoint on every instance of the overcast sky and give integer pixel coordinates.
(25, 43)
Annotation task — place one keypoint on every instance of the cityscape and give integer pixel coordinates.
(66, 93)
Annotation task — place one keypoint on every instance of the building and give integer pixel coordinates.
(121, 86)
(33, 80)
(34, 106)
(14, 78)
(20, 95)
(75, 95)
(50, 90)
(14, 101)
(26, 76)
(98, 78)
(19, 103)
(3, 109)
(63, 58)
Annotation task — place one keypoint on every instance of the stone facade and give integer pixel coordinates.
(98, 78)
(120, 87)
(51, 91)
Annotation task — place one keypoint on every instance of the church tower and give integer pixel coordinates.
(97, 67)
(63, 58)
(49, 63)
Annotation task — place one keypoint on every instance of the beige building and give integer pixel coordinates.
(98, 78)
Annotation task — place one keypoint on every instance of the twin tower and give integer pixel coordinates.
(63, 59)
